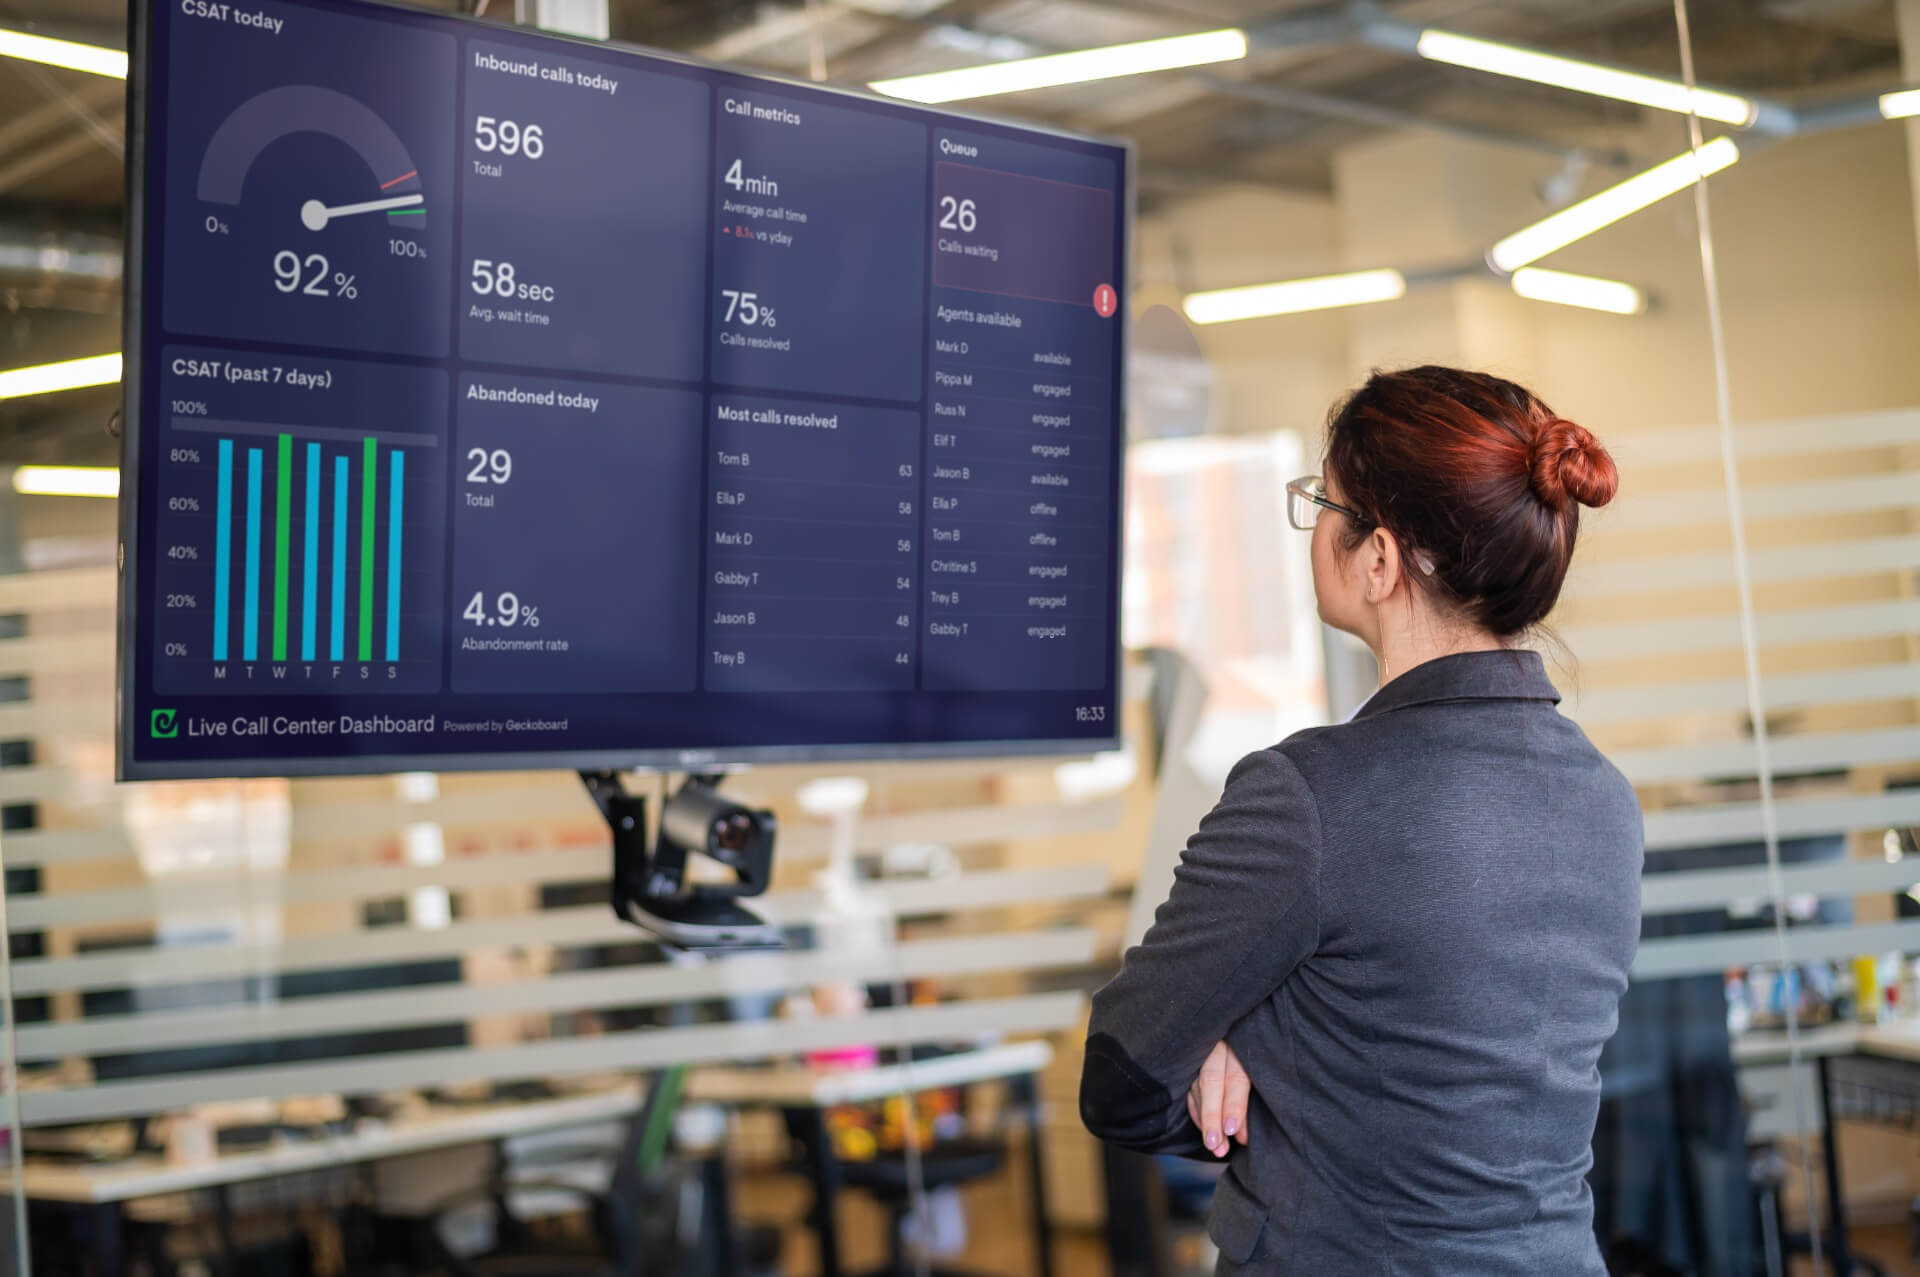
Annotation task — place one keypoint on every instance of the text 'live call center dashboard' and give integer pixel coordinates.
(503, 396)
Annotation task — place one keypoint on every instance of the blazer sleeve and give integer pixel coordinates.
(1244, 911)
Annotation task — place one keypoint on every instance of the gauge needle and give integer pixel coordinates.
(314, 215)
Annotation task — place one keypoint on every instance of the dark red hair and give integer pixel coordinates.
(1474, 476)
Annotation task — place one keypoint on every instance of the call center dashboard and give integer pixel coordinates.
(500, 398)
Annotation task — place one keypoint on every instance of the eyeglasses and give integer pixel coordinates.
(1307, 497)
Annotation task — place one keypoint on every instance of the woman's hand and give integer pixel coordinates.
(1217, 1100)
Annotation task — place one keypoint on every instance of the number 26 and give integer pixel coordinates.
(958, 215)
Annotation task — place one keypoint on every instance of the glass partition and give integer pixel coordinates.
(1700, 1092)
(1810, 241)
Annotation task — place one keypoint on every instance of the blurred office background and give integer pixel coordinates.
(388, 1024)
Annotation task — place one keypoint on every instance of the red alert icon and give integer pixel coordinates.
(1106, 301)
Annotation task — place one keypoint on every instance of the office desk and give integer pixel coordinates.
(107, 1187)
(1832, 1048)
(808, 1093)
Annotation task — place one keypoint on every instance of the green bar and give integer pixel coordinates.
(282, 544)
(369, 479)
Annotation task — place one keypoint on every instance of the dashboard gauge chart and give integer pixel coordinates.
(308, 108)
(320, 205)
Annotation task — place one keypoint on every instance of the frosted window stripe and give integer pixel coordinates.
(80, 589)
(565, 1057)
(1704, 506)
(965, 827)
(1713, 954)
(987, 890)
(32, 720)
(863, 1086)
(1798, 818)
(528, 807)
(1817, 751)
(1729, 695)
(563, 991)
(29, 656)
(63, 846)
(240, 890)
(587, 925)
(34, 784)
(1683, 892)
(1770, 439)
(1894, 617)
(190, 893)
(509, 806)
(524, 806)
(1865, 557)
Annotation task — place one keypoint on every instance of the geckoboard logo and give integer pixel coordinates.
(166, 724)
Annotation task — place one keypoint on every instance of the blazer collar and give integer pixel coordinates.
(1510, 675)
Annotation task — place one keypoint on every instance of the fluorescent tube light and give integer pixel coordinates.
(67, 481)
(1078, 67)
(1585, 77)
(68, 374)
(63, 53)
(1898, 106)
(1584, 291)
(1295, 295)
(1577, 221)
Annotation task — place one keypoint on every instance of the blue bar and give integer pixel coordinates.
(250, 637)
(311, 584)
(393, 555)
(223, 551)
(338, 639)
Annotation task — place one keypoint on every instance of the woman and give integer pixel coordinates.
(1394, 949)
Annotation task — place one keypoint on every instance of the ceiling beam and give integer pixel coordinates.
(1329, 24)
(1305, 101)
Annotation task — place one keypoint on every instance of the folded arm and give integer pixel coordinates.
(1244, 911)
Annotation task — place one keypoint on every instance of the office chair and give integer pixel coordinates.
(617, 1237)
(946, 1164)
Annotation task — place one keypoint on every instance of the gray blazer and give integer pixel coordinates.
(1414, 930)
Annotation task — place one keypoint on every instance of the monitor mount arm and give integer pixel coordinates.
(650, 888)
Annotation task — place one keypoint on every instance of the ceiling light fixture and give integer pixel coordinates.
(67, 481)
(68, 374)
(1584, 291)
(1580, 220)
(1078, 67)
(1900, 105)
(1586, 77)
(63, 53)
(1290, 297)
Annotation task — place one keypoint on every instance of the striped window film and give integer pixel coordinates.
(197, 942)
(1651, 621)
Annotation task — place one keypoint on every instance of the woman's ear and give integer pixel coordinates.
(1383, 566)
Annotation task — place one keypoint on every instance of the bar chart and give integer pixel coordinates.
(343, 477)
(297, 558)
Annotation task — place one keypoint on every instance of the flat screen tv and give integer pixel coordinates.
(501, 400)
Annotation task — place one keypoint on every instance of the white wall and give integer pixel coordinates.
(1815, 240)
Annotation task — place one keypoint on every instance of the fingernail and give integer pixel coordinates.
(1213, 1139)
(1233, 1127)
